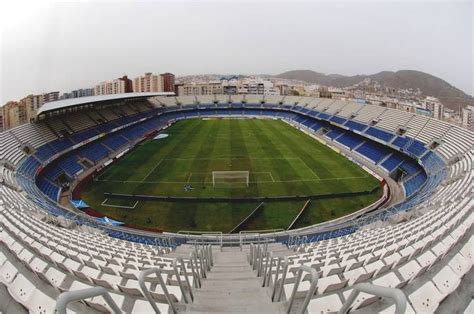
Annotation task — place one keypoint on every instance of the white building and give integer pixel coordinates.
(110, 87)
(468, 117)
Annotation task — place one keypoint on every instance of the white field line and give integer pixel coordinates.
(189, 178)
(273, 179)
(259, 181)
(236, 157)
(206, 181)
(156, 166)
(104, 203)
(311, 170)
(269, 173)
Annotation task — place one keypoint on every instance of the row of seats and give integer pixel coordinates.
(426, 257)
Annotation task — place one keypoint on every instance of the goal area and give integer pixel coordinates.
(230, 178)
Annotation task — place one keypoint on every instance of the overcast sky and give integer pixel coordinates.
(65, 46)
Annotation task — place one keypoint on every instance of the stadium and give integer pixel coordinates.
(151, 202)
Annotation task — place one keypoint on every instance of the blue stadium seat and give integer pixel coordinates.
(352, 125)
(417, 148)
(48, 188)
(94, 152)
(60, 145)
(334, 133)
(338, 120)
(70, 165)
(115, 141)
(380, 134)
(400, 141)
(350, 140)
(373, 151)
(410, 166)
(414, 183)
(324, 116)
(393, 161)
(45, 152)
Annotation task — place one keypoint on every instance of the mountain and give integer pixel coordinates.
(429, 85)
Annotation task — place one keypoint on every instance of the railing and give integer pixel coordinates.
(256, 256)
(70, 296)
(200, 262)
(202, 237)
(146, 292)
(311, 290)
(180, 282)
(257, 236)
(278, 288)
(396, 294)
(204, 255)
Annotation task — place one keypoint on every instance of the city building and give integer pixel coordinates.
(128, 84)
(148, 83)
(2, 119)
(117, 86)
(434, 106)
(51, 96)
(14, 114)
(196, 89)
(168, 82)
(83, 92)
(32, 103)
(468, 118)
(230, 89)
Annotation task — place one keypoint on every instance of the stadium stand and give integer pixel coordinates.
(421, 246)
(373, 151)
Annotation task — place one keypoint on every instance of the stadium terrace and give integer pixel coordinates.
(409, 249)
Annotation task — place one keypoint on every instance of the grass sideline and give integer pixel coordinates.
(281, 161)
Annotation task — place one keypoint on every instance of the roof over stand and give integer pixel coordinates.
(80, 101)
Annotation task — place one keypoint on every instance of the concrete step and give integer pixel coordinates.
(232, 287)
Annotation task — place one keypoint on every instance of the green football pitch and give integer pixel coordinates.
(280, 160)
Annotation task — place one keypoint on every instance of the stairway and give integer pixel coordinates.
(232, 287)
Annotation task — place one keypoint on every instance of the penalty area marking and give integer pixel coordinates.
(104, 203)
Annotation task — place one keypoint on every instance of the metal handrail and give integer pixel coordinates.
(256, 233)
(284, 261)
(202, 261)
(67, 297)
(195, 236)
(146, 292)
(194, 269)
(393, 293)
(312, 287)
(178, 277)
(269, 257)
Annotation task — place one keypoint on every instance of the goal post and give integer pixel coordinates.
(229, 177)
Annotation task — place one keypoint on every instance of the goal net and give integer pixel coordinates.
(230, 178)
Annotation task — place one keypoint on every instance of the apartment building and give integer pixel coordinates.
(148, 83)
(468, 117)
(196, 89)
(168, 81)
(51, 96)
(2, 119)
(82, 92)
(110, 87)
(32, 103)
(14, 114)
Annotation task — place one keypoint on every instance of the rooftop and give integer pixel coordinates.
(72, 102)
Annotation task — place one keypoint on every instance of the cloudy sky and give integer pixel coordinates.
(49, 46)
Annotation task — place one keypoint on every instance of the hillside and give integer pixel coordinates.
(430, 85)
